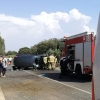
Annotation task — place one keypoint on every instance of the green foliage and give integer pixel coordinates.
(42, 47)
(2, 46)
(7, 56)
(50, 51)
(33, 49)
(57, 54)
(10, 53)
(60, 45)
(46, 45)
(24, 50)
(53, 46)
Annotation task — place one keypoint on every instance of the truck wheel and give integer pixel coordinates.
(14, 67)
(79, 71)
(19, 68)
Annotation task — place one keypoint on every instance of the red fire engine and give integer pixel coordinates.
(81, 47)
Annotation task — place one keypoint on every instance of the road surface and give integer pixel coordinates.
(43, 85)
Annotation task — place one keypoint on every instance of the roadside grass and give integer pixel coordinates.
(10, 56)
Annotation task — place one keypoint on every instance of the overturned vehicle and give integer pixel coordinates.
(26, 62)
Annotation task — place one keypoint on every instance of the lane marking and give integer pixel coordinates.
(60, 83)
(1, 95)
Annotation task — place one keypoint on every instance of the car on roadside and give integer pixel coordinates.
(25, 62)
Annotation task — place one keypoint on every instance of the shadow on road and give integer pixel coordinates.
(55, 76)
(71, 78)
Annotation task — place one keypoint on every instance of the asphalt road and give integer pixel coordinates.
(43, 85)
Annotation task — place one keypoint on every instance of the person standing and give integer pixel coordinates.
(10, 60)
(64, 68)
(0, 66)
(4, 66)
(55, 61)
(45, 62)
(51, 62)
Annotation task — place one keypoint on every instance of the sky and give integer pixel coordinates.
(24, 23)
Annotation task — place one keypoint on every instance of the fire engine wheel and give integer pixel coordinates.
(78, 71)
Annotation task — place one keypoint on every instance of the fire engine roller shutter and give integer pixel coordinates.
(79, 51)
(87, 54)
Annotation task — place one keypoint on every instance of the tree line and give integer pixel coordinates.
(44, 47)
(2, 46)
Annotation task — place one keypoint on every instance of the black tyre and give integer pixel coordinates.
(26, 68)
(14, 67)
(19, 68)
(79, 71)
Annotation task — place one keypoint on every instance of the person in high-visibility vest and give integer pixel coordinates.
(55, 61)
(45, 62)
(51, 62)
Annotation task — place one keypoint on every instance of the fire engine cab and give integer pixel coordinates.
(81, 48)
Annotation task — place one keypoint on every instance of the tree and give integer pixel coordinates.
(50, 51)
(2, 46)
(60, 44)
(11, 53)
(42, 47)
(24, 50)
(33, 49)
(57, 54)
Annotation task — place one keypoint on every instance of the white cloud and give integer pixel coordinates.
(21, 32)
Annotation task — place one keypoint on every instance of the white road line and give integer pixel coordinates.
(1, 95)
(61, 83)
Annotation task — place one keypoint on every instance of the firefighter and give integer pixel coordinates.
(64, 66)
(55, 61)
(51, 62)
(48, 62)
(45, 62)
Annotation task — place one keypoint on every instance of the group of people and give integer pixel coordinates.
(49, 62)
(3, 66)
